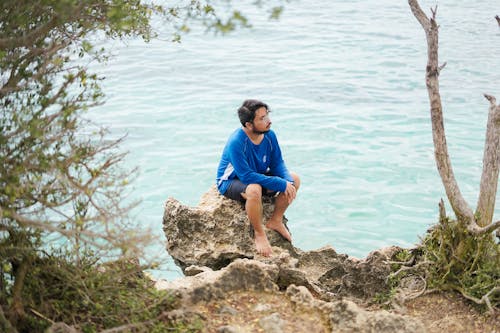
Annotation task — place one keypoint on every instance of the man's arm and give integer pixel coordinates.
(247, 175)
(278, 166)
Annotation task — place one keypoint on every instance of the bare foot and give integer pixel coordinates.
(280, 228)
(262, 245)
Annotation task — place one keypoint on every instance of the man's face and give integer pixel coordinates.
(261, 123)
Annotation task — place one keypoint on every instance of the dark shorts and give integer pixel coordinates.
(237, 187)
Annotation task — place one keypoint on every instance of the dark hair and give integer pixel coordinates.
(246, 112)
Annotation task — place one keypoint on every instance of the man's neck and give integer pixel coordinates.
(254, 137)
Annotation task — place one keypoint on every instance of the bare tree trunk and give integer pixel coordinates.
(17, 308)
(464, 245)
(5, 325)
(460, 207)
(489, 178)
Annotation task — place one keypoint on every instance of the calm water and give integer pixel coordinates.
(345, 81)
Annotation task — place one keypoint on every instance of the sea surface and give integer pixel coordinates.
(345, 83)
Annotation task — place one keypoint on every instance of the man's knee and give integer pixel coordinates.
(253, 192)
(296, 179)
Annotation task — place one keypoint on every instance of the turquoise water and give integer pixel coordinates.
(345, 81)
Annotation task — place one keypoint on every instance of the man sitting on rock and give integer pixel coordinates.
(252, 166)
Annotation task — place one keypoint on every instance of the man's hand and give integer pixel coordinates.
(290, 192)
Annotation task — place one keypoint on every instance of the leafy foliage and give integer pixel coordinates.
(62, 187)
(449, 258)
(57, 174)
(94, 297)
(463, 262)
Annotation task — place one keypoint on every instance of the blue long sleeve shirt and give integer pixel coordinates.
(253, 164)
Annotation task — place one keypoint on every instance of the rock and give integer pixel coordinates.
(289, 276)
(262, 307)
(252, 275)
(346, 316)
(217, 232)
(213, 234)
(242, 274)
(188, 282)
(194, 270)
(229, 329)
(300, 295)
(228, 310)
(180, 316)
(318, 262)
(272, 323)
(361, 279)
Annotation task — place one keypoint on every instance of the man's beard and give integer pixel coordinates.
(260, 132)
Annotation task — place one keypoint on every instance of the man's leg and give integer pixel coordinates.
(253, 207)
(280, 206)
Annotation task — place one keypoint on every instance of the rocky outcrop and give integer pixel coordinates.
(217, 232)
(346, 316)
(253, 275)
(214, 233)
(213, 244)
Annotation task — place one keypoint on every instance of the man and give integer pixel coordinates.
(252, 166)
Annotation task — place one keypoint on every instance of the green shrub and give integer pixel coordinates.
(462, 262)
(93, 297)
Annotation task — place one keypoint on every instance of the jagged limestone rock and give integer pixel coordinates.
(253, 275)
(346, 316)
(359, 279)
(214, 233)
(242, 274)
(217, 232)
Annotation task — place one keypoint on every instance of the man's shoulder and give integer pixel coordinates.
(237, 134)
(271, 135)
(238, 137)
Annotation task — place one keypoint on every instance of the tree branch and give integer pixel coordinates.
(24, 221)
(492, 99)
(18, 70)
(442, 212)
(419, 14)
(30, 37)
(460, 207)
(41, 32)
(36, 313)
(484, 300)
(476, 230)
(489, 178)
(17, 306)
(5, 325)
